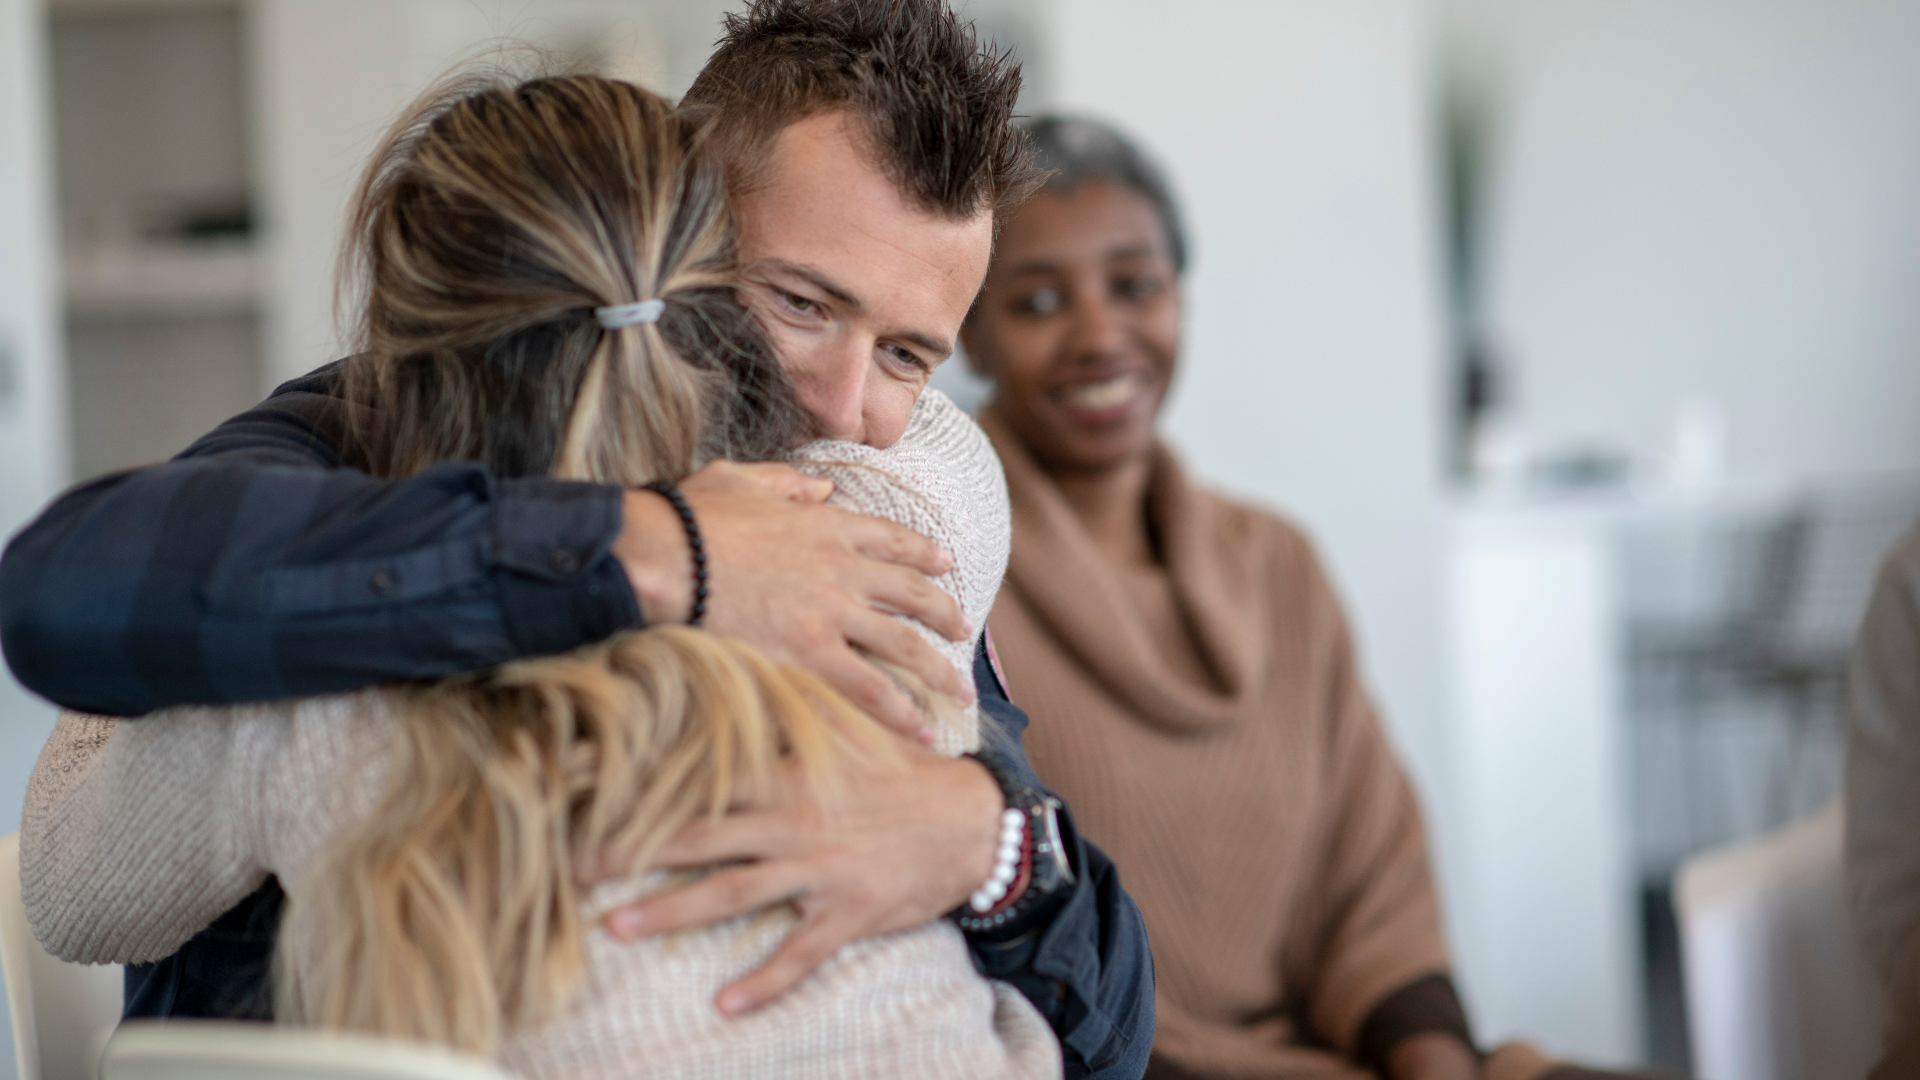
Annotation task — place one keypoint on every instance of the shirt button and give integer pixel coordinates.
(383, 582)
(563, 561)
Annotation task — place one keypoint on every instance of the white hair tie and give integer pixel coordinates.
(619, 315)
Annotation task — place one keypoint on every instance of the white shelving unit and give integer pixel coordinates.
(191, 281)
(164, 286)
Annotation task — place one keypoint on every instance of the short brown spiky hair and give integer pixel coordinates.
(936, 106)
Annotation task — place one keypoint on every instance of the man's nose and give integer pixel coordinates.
(838, 400)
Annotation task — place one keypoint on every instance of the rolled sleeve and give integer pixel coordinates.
(562, 585)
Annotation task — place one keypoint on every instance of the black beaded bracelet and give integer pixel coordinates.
(672, 494)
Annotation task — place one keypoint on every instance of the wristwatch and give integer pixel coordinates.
(1050, 875)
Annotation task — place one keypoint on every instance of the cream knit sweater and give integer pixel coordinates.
(138, 835)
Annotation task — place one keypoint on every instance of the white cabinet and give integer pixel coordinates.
(1544, 889)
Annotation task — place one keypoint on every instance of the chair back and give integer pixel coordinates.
(219, 1050)
(1778, 987)
(62, 1013)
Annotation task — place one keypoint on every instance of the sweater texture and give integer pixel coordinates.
(1207, 720)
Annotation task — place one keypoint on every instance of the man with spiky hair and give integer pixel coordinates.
(871, 156)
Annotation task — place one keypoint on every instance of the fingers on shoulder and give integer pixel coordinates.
(890, 541)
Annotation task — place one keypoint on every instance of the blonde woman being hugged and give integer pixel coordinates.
(547, 277)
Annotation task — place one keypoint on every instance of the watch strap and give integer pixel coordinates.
(1049, 873)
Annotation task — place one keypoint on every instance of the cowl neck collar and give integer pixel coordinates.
(1213, 562)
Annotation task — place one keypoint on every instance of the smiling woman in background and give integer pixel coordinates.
(1207, 716)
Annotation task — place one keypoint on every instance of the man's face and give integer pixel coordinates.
(860, 292)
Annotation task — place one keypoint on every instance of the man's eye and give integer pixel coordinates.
(798, 304)
(1137, 288)
(1040, 302)
(907, 357)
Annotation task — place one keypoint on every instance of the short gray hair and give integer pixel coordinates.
(1077, 149)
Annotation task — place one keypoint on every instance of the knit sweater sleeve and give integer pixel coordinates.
(138, 835)
(1375, 922)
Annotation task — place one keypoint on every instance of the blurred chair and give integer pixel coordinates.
(1852, 525)
(211, 1050)
(1695, 648)
(1777, 986)
(1737, 638)
(61, 1012)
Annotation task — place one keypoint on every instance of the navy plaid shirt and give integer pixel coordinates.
(255, 566)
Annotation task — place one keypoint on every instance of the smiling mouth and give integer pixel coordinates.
(1106, 394)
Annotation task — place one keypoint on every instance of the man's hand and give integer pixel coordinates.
(807, 584)
(1432, 1055)
(903, 848)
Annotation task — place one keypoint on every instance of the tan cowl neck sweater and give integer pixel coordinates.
(1209, 728)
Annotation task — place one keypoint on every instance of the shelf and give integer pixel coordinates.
(173, 281)
(135, 7)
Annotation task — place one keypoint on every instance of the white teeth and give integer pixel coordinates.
(1105, 394)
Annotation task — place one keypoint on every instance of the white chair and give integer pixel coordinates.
(211, 1050)
(1778, 988)
(62, 1013)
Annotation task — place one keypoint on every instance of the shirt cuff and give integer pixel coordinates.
(560, 586)
(1075, 955)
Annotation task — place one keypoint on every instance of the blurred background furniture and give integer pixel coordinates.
(62, 1013)
(1638, 674)
(1738, 625)
(1777, 985)
(233, 1051)
(1739, 615)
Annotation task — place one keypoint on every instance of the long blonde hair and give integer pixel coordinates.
(490, 223)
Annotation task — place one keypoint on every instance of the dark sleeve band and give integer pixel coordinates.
(1428, 1004)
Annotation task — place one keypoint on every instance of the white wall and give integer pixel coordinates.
(32, 397)
(1297, 136)
(327, 74)
(1712, 198)
(32, 390)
